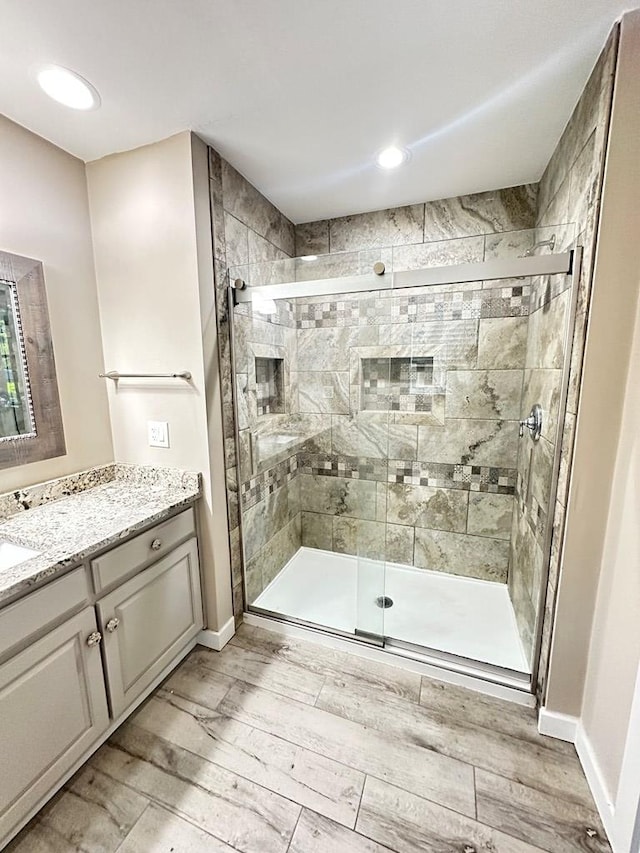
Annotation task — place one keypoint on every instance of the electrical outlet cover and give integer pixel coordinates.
(158, 432)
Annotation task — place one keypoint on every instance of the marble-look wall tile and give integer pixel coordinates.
(399, 544)
(490, 515)
(273, 557)
(323, 391)
(264, 519)
(511, 209)
(460, 554)
(484, 394)
(509, 244)
(261, 250)
(424, 506)
(236, 240)
(371, 434)
(328, 349)
(317, 530)
(455, 341)
(339, 264)
(541, 471)
(557, 212)
(502, 342)
(547, 333)
(543, 386)
(338, 496)
(584, 183)
(392, 227)
(359, 537)
(477, 442)
(312, 238)
(243, 201)
(464, 250)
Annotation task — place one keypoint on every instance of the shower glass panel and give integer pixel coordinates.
(385, 489)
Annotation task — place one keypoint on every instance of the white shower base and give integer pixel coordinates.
(461, 616)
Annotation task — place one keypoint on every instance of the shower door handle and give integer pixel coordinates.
(533, 423)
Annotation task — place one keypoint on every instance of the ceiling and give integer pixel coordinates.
(300, 95)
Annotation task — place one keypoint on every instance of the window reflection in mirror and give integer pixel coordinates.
(16, 410)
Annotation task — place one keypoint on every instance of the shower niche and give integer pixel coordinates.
(406, 382)
(269, 374)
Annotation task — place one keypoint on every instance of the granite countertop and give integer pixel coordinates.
(69, 519)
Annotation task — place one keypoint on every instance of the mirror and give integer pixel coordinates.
(30, 415)
(16, 407)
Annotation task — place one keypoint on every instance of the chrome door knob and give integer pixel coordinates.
(94, 638)
(112, 624)
(156, 544)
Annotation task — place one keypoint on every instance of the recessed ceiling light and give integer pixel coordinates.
(309, 258)
(392, 157)
(68, 88)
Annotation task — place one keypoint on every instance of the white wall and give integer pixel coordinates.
(44, 214)
(614, 652)
(152, 261)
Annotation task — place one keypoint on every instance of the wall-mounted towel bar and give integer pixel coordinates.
(115, 375)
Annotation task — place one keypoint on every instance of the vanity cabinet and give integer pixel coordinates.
(78, 654)
(53, 707)
(147, 621)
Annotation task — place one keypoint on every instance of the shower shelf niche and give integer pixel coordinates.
(397, 384)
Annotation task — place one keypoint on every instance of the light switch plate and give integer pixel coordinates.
(158, 432)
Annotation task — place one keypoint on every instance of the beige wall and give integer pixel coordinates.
(152, 262)
(615, 641)
(601, 652)
(44, 214)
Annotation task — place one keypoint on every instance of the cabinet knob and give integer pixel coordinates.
(94, 638)
(156, 544)
(112, 624)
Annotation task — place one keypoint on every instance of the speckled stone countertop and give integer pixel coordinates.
(68, 520)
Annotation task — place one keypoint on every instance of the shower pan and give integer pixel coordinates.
(398, 449)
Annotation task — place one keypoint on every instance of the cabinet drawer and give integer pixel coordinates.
(53, 707)
(118, 563)
(41, 608)
(147, 621)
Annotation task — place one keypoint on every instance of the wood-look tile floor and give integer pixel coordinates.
(277, 745)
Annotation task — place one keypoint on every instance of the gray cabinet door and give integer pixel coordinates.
(53, 707)
(147, 621)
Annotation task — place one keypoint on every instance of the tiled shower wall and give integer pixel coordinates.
(570, 192)
(246, 228)
(430, 485)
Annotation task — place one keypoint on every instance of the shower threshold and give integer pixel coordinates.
(464, 617)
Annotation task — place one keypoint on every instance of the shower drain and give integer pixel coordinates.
(384, 601)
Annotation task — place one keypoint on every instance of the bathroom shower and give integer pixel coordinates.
(398, 449)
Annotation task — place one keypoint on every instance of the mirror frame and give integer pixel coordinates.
(28, 276)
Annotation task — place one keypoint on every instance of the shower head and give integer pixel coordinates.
(551, 243)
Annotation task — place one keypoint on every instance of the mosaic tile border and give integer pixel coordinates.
(473, 478)
(512, 301)
(337, 465)
(258, 488)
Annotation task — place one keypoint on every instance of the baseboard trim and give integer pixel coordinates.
(217, 640)
(560, 726)
(595, 779)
